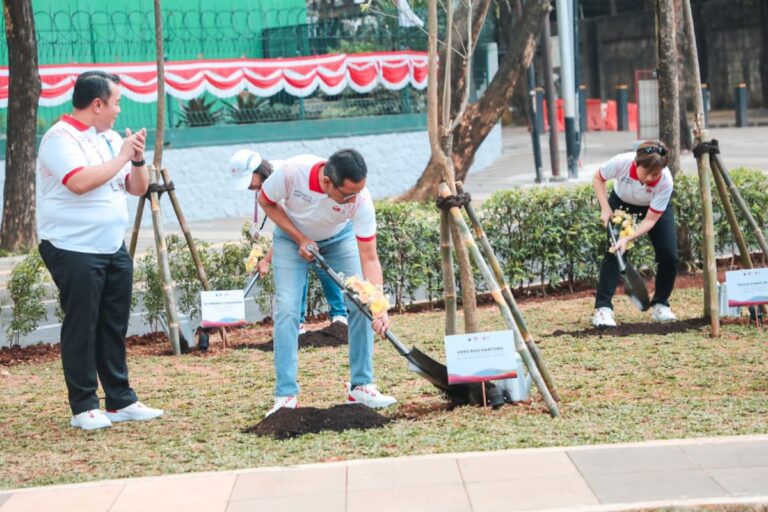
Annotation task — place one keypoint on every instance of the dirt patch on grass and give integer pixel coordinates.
(290, 423)
(631, 329)
(332, 335)
(11, 356)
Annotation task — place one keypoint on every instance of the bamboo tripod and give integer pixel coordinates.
(714, 165)
(728, 192)
(524, 344)
(154, 191)
(169, 288)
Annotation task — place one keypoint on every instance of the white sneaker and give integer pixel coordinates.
(137, 411)
(287, 402)
(339, 318)
(603, 318)
(662, 313)
(302, 329)
(90, 420)
(369, 396)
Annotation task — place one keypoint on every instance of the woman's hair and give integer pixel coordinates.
(653, 155)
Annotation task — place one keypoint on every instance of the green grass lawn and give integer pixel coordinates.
(613, 390)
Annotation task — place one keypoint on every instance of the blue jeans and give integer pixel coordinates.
(333, 296)
(290, 278)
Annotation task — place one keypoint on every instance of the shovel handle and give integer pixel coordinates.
(352, 297)
(251, 284)
(619, 257)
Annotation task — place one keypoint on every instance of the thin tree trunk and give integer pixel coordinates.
(18, 231)
(480, 117)
(702, 136)
(467, 280)
(669, 95)
(160, 57)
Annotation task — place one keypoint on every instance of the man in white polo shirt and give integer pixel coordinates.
(326, 204)
(86, 169)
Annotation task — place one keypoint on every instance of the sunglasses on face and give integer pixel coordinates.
(648, 150)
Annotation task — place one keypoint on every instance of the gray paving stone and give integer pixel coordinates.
(4, 498)
(742, 481)
(611, 461)
(654, 486)
(740, 454)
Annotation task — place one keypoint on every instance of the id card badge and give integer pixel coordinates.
(117, 184)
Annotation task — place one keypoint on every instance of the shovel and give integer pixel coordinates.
(251, 284)
(634, 285)
(418, 361)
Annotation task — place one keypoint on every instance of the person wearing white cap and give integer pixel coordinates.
(249, 171)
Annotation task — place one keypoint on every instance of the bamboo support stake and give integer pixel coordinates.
(190, 242)
(169, 290)
(722, 189)
(136, 226)
(702, 137)
(522, 349)
(719, 167)
(449, 278)
(498, 273)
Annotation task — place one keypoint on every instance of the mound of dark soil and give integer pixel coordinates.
(11, 356)
(630, 329)
(330, 336)
(290, 423)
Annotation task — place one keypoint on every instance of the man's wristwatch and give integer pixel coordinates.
(138, 163)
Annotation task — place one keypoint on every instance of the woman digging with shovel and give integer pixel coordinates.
(643, 187)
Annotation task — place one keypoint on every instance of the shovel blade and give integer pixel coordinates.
(433, 371)
(634, 286)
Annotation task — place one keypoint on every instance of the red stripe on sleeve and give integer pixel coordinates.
(366, 239)
(70, 174)
(655, 211)
(264, 194)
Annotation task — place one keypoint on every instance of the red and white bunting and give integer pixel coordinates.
(298, 76)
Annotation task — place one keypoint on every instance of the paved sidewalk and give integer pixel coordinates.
(680, 473)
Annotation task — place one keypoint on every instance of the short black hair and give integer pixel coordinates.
(91, 85)
(346, 164)
(264, 170)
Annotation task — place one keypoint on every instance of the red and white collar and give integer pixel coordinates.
(74, 122)
(633, 175)
(314, 177)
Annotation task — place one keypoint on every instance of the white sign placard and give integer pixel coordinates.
(223, 307)
(480, 356)
(747, 287)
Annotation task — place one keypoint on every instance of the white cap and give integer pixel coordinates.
(241, 167)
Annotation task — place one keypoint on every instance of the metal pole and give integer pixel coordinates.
(741, 105)
(536, 143)
(567, 83)
(549, 85)
(622, 100)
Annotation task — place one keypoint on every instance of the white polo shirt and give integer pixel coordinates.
(655, 195)
(93, 222)
(295, 183)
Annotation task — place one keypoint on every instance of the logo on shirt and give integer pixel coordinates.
(337, 208)
(303, 196)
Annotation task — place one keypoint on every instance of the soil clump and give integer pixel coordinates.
(290, 423)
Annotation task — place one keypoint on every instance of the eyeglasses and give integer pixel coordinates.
(345, 197)
(649, 150)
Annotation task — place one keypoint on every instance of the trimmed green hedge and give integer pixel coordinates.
(541, 235)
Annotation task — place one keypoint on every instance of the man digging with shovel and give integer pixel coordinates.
(643, 187)
(323, 204)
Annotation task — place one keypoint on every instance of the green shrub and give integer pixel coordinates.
(27, 290)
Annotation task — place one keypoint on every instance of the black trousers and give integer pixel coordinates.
(663, 236)
(95, 291)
